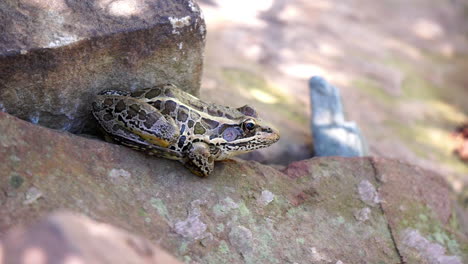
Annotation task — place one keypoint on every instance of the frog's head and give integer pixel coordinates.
(248, 134)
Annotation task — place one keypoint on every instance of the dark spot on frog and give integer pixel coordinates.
(248, 111)
(214, 111)
(211, 124)
(182, 129)
(133, 111)
(169, 93)
(153, 93)
(142, 115)
(182, 114)
(228, 116)
(95, 107)
(199, 129)
(120, 106)
(16, 181)
(169, 107)
(108, 102)
(107, 117)
(197, 105)
(137, 93)
(181, 141)
(190, 123)
(150, 120)
(157, 104)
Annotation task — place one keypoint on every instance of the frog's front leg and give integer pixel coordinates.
(199, 159)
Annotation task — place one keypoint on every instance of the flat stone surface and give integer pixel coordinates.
(56, 55)
(244, 212)
(65, 237)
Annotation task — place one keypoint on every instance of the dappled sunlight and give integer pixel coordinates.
(243, 12)
(99, 229)
(34, 255)
(435, 137)
(302, 70)
(403, 47)
(70, 259)
(448, 112)
(427, 29)
(124, 8)
(447, 49)
(263, 96)
(329, 50)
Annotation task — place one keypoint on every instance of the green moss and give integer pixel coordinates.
(159, 205)
(416, 87)
(183, 247)
(250, 81)
(300, 240)
(142, 212)
(16, 181)
(223, 247)
(423, 219)
(243, 210)
(373, 88)
(253, 83)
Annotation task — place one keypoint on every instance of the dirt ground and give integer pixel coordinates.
(402, 68)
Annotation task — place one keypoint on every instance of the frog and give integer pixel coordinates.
(165, 121)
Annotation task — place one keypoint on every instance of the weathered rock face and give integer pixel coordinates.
(66, 237)
(324, 210)
(56, 55)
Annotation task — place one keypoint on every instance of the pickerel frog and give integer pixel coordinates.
(167, 122)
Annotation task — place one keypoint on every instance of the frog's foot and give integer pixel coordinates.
(199, 159)
(127, 117)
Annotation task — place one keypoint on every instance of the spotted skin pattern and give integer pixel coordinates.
(167, 122)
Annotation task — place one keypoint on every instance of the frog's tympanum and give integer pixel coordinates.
(167, 122)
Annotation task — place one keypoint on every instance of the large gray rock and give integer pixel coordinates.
(323, 210)
(333, 136)
(55, 55)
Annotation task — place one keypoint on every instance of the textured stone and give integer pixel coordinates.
(56, 55)
(419, 209)
(71, 238)
(333, 136)
(223, 218)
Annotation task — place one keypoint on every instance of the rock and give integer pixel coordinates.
(65, 237)
(333, 136)
(419, 208)
(368, 193)
(245, 212)
(56, 55)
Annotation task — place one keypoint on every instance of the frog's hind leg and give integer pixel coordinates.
(129, 118)
(199, 159)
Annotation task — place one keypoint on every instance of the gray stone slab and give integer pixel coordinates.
(55, 55)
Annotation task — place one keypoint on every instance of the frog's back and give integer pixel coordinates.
(159, 96)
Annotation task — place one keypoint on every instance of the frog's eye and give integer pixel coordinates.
(249, 125)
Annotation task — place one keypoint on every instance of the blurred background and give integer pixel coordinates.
(402, 69)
